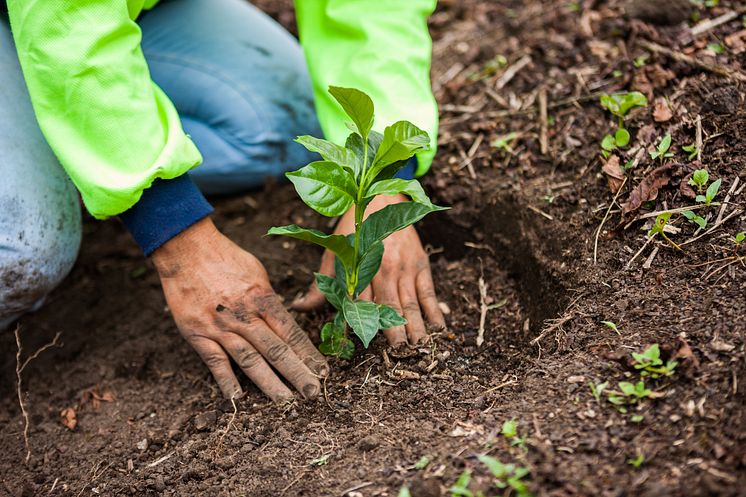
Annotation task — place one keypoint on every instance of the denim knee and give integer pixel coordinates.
(36, 251)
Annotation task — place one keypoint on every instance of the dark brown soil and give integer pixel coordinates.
(151, 422)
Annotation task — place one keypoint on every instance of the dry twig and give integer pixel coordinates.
(603, 221)
(19, 370)
(720, 70)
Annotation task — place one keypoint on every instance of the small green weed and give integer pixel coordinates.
(695, 218)
(699, 179)
(662, 151)
(510, 431)
(628, 394)
(597, 389)
(692, 150)
(659, 228)
(619, 104)
(612, 326)
(710, 193)
(649, 363)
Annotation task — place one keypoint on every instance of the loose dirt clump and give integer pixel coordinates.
(519, 162)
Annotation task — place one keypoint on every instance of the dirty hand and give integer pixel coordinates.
(224, 306)
(404, 281)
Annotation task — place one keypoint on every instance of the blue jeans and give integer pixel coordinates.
(240, 84)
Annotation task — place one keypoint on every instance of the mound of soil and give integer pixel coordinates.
(533, 219)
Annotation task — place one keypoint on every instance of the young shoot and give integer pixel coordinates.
(659, 228)
(619, 104)
(628, 394)
(649, 363)
(351, 176)
(692, 150)
(694, 218)
(510, 431)
(710, 193)
(661, 152)
(699, 179)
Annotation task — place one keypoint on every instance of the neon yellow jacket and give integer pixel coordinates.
(115, 131)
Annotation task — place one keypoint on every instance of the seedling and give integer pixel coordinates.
(641, 60)
(692, 149)
(619, 104)
(507, 476)
(710, 193)
(505, 142)
(628, 394)
(659, 228)
(404, 492)
(695, 218)
(422, 463)
(612, 326)
(661, 152)
(716, 48)
(510, 431)
(739, 238)
(649, 363)
(351, 176)
(699, 179)
(597, 389)
(637, 461)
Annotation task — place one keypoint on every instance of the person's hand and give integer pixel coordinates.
(224, 306)
(404, 281)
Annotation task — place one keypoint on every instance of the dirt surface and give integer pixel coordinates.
(524, 219)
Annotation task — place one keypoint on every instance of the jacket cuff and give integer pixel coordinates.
(408, 171)
(165, 209)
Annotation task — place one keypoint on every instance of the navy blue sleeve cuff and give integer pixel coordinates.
(165, 209)
(407, 172)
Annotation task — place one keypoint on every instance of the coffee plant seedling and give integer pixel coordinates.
(661, 152)
(739, 238)
(649, 363)
(699, 179)
(619, 104)
(637, 461)
(353, 175)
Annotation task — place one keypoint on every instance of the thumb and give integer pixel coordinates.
(313, 299)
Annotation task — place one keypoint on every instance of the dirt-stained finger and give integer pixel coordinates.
(270, 309)
(280, 356)
(217, 361)
(256, 368)
(428, 299)
(386, 292)
(408, 297)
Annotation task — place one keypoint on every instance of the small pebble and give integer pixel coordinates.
(142, 444)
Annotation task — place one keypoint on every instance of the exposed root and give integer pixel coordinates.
(19, 370)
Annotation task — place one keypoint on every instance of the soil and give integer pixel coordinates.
(150, 421)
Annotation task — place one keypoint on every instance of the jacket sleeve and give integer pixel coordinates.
(112, 128)
(382, 47)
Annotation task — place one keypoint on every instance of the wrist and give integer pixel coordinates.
(184, 245)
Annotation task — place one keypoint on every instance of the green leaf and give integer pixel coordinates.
(388, 317)
(620, 104)
(627, 388)
(362, 316)
(335, 343)
(369, 264)
(740, 237)
(411, 187)
(694, 218)
(325, 187)
(664, 145)
(608, 143)
(498, 469)
(392, 218)
(401, 141)
(621, 137)
(699, 178)
(510, 428)
(330, 151)
(712, 191)
(404, 492)
(336, 243)
(357, 105)
(461, 487)
(332, 290)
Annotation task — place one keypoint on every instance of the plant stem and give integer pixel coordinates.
(359, 213)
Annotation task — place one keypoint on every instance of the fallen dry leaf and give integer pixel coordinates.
(69, 418)
(662, 111)
(647, 190)
(94, 396)
(614, 173)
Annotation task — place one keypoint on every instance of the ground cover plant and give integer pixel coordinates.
(352, 176)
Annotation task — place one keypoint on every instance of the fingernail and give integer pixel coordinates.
(311, 391)
(324, 371)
